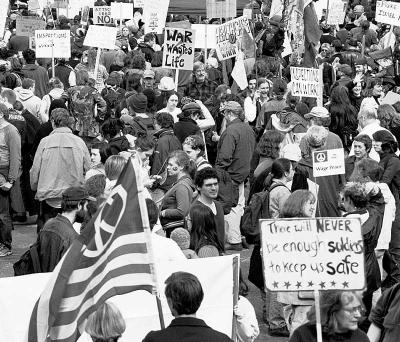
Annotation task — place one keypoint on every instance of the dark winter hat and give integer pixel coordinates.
(360, 61)
(138, 103)
(74, 195)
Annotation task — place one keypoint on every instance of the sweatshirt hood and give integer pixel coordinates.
(30, 67)
(24, 94)
(56, 93)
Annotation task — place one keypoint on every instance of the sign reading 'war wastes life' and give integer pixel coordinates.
(178, 49)
(307, 254)
(230, 35)
(388, 12)
(306, 82)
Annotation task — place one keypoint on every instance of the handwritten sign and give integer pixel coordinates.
(53, 43)
(221, 8)
(205, 36)
(328, 162)
(388, 12)
(139, 3)
(336, 12)
(316, 253)
(101, 37)
(154, 15)
(121, 10)
(306, 82)
(26, 26)
(178, 48)
(60, 4)
(229, 36)
(102, 15)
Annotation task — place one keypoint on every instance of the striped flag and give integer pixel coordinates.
(117, 260)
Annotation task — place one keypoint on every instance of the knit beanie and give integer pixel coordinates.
(208, 251)
(316, 136)
(182, 238)
(138, 102)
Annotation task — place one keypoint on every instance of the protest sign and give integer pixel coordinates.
(388, 12)
(138, 3)
(316, 253)
(391, 98)
(3, 14)
(138, 308)
(53, 43)
(85, 15)
(336, 12)
(154, 15)
(101, 37)
(328, 162)
(26, 26)
(178, 49)
(306, 81)
(221, 9)
(120, 10)
(229, 36)
(205, 36)
(33, 5)
(276, 8)
(60, 4)
(179, 24)
(102, 15)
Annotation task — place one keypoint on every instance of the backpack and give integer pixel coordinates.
(258, 208)
(29, 262)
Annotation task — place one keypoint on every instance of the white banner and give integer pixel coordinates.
(101, 37)
(120, 10)
(305, 254)
(388, 12)
(178, 52)
(328, 162)
(139, 309)
(102, 15)
(205, 36)
(3, 16)
(53, 43)
(221, 9)
(154, 15)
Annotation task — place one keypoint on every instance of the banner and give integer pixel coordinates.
(336, 12)
(53, 43)
(316, 253)
(328, 162)
(102, 15)
(221, 9)
(306, 82)
(178, 52)
(388, 12)
(205, 36)
(101, 37)
(154, 15)
(229, 37)
(60, 4)
(120, 10)
(139, 309)
(26, 26)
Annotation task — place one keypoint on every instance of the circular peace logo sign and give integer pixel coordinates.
(320, 157)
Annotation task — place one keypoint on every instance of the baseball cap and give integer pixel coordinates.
(149, 74)
(318, 112)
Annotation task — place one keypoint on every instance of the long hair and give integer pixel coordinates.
(343, 113)
(294, 205)
(183, 160)
(269, 144)
(204, 230)
(278, 169)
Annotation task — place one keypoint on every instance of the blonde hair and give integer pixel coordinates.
(106, 323)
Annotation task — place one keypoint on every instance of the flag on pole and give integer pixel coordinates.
(117, 260)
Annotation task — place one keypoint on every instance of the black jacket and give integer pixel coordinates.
(147, 50)
(185, 127)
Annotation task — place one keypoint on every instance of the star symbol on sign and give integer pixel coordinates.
(275, 284)
(287, 284)
(310, 284)
(333, 284)
(322, 285)
(298, 285)
(345, 284)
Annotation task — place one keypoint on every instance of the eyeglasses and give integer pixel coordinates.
(352, 311)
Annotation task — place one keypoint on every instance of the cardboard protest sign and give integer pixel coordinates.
(59, 4)
(306, 81)
(101, 37)
(53, 43)
(205, 36)
(26, 26)
(316, 253)
(102, 15)
(336, 12)
(154, 15)
(178, 50)
(33, 5)
(221, 8)
(120, 10)
(276, 8)
(388, 12)
(328, 162)
(230, 35)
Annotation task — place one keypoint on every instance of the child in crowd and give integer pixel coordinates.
(182, 237)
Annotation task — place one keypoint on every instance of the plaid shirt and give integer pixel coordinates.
(201, 91)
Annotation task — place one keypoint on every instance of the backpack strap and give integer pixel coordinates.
(35, 258)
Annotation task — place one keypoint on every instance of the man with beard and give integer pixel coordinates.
(58, 233)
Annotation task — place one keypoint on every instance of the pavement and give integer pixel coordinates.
(25, 234)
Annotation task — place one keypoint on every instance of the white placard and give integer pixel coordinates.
(276, 8)
(3, 16)
(221, 8)
(33, 5)
(102, 15)
(53, 43)
(178, 52)
(138, 3)
(336, 12)
(205, 36)
(229, 36)
(26, 26)
(388, 12)
(305, 82)
(317, 253)
(154, 15)
(121, 10)
(101, 37)
(328, 162)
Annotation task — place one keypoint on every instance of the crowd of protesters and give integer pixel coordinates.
(205, 147)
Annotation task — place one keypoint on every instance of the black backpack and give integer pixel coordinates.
(29, 262)
(258, 208)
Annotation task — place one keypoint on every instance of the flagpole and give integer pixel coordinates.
(160, 312)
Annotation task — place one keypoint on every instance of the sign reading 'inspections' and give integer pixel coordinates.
(306, 82)
(307, 254)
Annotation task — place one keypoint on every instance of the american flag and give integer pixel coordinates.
(117, 260)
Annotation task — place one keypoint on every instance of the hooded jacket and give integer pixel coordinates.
(39, 75)
(31, 103)
(54, 94)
